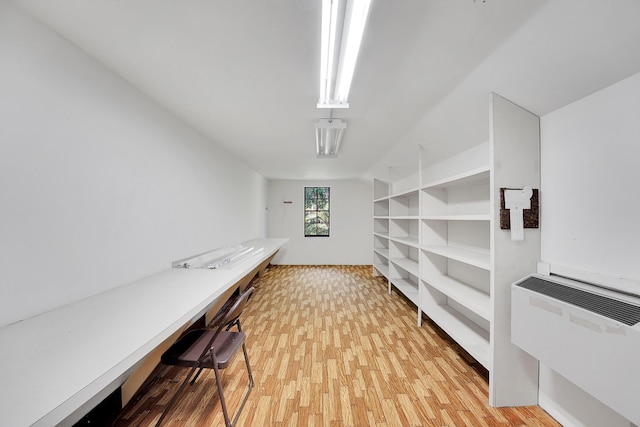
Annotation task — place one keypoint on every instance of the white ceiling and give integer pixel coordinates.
(245, 72)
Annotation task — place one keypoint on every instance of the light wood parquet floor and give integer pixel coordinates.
(329, 346)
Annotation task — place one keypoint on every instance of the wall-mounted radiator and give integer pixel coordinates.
(587, 334)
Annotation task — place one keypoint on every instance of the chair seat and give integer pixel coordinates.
(187, 350)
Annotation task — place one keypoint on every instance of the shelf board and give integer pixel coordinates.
(383, 269)
(406, 264)
(392, 217)
(381, 217)
(406, 193)
(474, 176)
(382, 251)
(409, 241)
(470, 336)
(381, 233)
(468, 296)
(381, 199)
(408, 288)
(459, 217)
(475, 258)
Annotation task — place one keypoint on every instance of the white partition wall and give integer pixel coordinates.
(515, 151)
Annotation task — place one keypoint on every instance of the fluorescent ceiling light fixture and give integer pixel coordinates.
(343, 23)
(329, 134)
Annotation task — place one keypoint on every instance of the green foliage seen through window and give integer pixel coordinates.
(316, 211)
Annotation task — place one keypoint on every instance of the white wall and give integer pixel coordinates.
(589, 208)
(591, 150)
(351, 232)
(99, 186)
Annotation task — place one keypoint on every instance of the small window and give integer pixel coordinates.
(316, 211)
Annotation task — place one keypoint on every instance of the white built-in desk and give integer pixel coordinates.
(56, 366)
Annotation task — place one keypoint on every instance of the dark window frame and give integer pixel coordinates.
(317, 211)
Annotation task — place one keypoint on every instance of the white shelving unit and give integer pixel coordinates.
(396, 232)
(442, 247)
(456, 249)
(404, 217)
(380, 228)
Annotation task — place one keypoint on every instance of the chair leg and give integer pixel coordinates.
(223, 403)
(246, 361)
(249, 386)
(234, 323)
(221, 395)
(196, 377)
(175, 396)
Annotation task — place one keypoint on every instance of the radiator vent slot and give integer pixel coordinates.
(621, 311)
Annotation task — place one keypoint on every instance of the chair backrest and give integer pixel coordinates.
(228, 314)
(238, 306)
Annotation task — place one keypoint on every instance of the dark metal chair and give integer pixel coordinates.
(233, 316)
(212, 348)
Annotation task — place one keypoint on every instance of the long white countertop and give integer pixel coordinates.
(58, 362)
